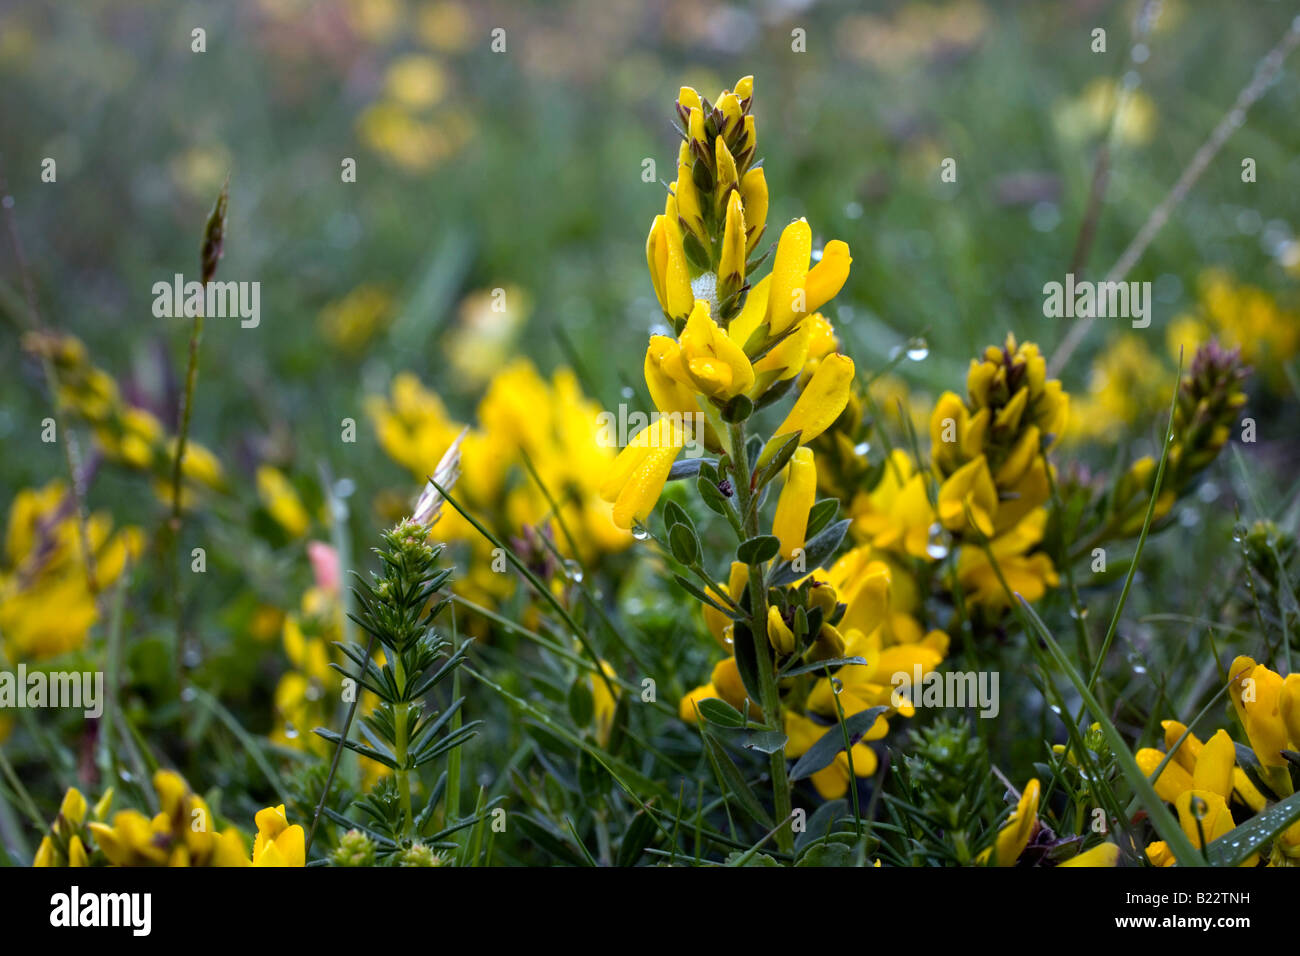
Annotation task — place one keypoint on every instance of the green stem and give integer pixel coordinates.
(400, 714)
(769, 692)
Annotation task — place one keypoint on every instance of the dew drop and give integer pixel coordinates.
(918, 349)
(573, 570)
(862, 449)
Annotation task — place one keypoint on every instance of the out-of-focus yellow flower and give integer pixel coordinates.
(445, 26)
(351, 322)
(1090, 113)
(605, 703)
(721, 626)
(488, 322)
(1249, 318)
(968, 498)
(1015, 834)
(896, 514)
(1127, 382)
(47, 606)
(183, 832)
(1027, 574)
(281, 500)
(415, 80)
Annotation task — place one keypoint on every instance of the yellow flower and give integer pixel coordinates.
(724, 684)
(798, 494)
(1257, 697)
(1015, 834)
(721, 626)
(637, 476)
(968, 498)
(605, 702)
(1203, 812)
(820, 403)
(666, 258)
(896, 514)
(796, 290)
(832, 781)
(711, 361)
(1103, 854)
(1029, 575)
(753, 195)
(282, 501)
(47, 606)
(277, 843)
(731, 265)
(779, 634)
(1194, 766)
(181, 834)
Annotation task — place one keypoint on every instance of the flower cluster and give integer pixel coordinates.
(128, 435)
(181, 833)
(47, 604)
(524, 422)
(1205, 780)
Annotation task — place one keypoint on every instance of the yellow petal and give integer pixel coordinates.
(788, 300)
(828, 276)
(1103, 854)
(798, 495)
(821, 401)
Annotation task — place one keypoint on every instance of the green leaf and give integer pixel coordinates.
(764, 741)
(547, 841)
(1236, 846)
(742, 644)
(686, 468)
(703, 596)
(820, 823)
(734, 782)
(779, 460)
(820, 665)
(713, 499)
(822, 514)
(676, 514)
(816, 552)
(756, 550)
(684, 544)
(640, 833)
(821, 754)
(582, 704)
(738, 409)
(827, 854)
(719, 712)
